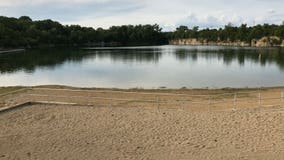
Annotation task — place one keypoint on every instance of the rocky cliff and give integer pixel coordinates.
(263, 42)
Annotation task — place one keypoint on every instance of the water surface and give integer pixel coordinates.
(146, 67)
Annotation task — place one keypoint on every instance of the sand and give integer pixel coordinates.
(81, 132)
(176, 99)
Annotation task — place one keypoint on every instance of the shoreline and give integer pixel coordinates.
(264, 42)
(227, 45)
(7, 51)
(140, 88)
(210, 44)
(5, 89)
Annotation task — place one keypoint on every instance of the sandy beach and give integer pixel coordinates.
(141, 80)
(122, 132)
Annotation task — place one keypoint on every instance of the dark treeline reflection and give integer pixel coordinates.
(129, 55)
(52, 58)
(261, 56)
(30, 60)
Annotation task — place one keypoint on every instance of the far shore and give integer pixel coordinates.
(8, 51)
(5, 51)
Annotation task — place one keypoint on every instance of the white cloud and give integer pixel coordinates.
(8, 3)
(271, 11)
(104, 13)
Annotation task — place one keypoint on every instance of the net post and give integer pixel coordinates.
(235, 100)
(282, 98)
(88, 100)
(158, 101)
(209, 102)
(259, 98)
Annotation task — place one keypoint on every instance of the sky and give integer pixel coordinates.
(168, 14)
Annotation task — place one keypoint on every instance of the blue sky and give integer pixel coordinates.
(169, 14)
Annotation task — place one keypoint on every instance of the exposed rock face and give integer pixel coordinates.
(266, 42)
(190, 41)
(194, 41)
(263, 42)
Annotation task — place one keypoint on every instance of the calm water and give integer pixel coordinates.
(146, 67)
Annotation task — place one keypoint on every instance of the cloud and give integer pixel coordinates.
(68, 10)
(212, 21)
(8, 3)
(271, 11)
(169, 14)
(223, 18)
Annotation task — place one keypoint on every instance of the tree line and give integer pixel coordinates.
(24, 32)
(230, 33)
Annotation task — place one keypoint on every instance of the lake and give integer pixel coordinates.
(146, 67)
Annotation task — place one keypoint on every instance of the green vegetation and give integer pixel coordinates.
(24, 32)
(230, 33)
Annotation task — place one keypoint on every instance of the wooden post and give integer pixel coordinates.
(235, 101)
(282, 98)
(259, 98)
(209, 103)
(158, 101)
(89, 99)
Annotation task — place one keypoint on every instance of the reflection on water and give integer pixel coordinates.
(227, 55)
(30, 60)
(147, 67)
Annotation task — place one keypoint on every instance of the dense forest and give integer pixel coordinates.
(230, 32)
(24, 32)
